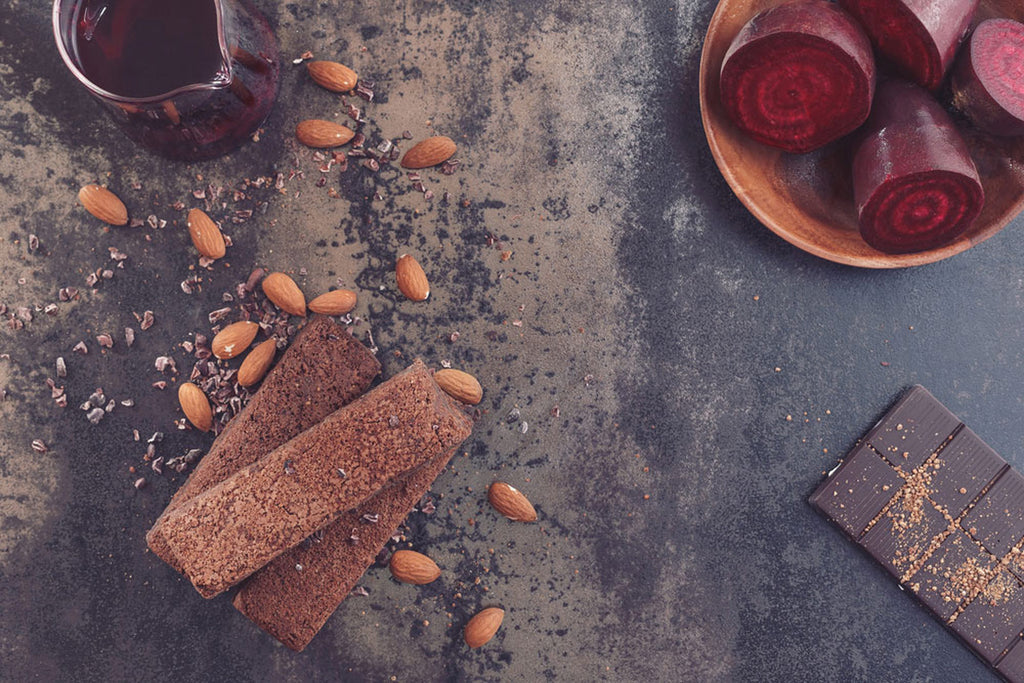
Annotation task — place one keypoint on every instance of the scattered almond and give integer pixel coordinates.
(409, 566)
(284, 293)
(205, 234)
(332, 75)
(103, 204)
(338, 302)
(234, 339)
(412, 281)
(482, 627)
(320, 133)
(510, 501)
(460, 385)
(196, 406)
(429, 152)
(256, 364)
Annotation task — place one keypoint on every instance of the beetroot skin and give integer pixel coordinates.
(988, 79)
(914, 183)
(799, 76)
(920, 37)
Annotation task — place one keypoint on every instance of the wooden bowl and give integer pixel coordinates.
(807, 199)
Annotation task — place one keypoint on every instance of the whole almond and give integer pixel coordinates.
(460, 385)
(338, 302)
(195, 406)
(429, 152)
(412, 281)
(482, 627)
(409, 566)
(234, 339)
(256, 364)
(205, 234)
(285, 294)
(103, 204)
(510, 501)
(332, 75)
(320, 133)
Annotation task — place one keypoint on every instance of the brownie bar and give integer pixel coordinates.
(225, 534)
(945, 516)
(293, 596)
(323, 370)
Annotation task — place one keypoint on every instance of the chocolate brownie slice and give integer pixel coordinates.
(292, 597)
(225, 534)
(324, 369)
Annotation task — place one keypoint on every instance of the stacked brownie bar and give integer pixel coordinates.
(282, 505)
(323, 370)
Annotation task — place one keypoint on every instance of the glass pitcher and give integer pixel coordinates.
(190, 79)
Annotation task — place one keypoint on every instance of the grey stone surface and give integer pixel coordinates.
(673, 333)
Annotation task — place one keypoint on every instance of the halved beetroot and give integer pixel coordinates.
(798, 76)
(988, 79)
(919, 36)
(914, 182)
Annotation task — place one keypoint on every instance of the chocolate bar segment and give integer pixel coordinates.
(858, 490)
(953, 574)
(913, 429)
(909, 529)
(953, 532)
(225, 534)
(993, 621)
(964, 468)
(1011, 666)
(997, 521)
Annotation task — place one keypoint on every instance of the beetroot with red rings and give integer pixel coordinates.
(914, 183)
(920, 36)
(799, 76)
(988, 79)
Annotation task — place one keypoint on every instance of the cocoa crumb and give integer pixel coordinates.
(163, 363)
(220, 314)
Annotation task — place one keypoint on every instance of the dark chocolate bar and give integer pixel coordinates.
(944, 514)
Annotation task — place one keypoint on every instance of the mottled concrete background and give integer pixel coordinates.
(682, 377)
